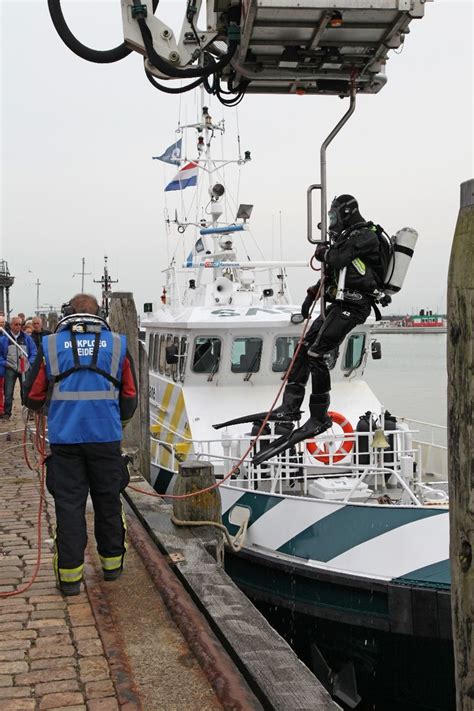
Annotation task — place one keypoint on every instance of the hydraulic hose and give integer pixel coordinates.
(170, 89)
(166, 68)
(91, 55)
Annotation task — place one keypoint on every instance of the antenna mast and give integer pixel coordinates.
(105, 281)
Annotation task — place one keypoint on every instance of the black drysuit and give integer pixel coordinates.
(358, 249)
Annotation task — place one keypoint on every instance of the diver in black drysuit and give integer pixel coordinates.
(355, 245)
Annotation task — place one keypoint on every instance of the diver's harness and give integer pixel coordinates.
(377, 296)
(81, 323)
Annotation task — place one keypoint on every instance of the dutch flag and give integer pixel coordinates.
(184, 178)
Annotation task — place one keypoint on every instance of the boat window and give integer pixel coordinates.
(151, 346)
(183, 352)
(246, 355)
(207, 352)
(169, 369)
(175, 366)
(156, 353)
(283, 351)
(161, 354)
(354, 351)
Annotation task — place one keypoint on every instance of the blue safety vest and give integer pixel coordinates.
(84, 372)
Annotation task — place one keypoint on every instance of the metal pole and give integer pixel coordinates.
(83, 271)
(322, 161)
(38, 284)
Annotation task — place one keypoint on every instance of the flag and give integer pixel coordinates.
(198, 247)
(184, 178)
(172, 153)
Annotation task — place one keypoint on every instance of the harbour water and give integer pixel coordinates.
(393, 672)
(411, 378)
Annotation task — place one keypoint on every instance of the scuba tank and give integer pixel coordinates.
(403, 247)
(361, 454)
(390, 425)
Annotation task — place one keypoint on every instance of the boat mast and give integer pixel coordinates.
(207, 124)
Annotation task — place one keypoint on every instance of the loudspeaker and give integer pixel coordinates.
(222, 290)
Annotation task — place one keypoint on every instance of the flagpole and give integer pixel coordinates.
(207, 119)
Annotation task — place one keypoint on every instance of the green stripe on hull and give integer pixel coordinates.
(437, 574)
(291, 589)
(258, 505)
(347, 528)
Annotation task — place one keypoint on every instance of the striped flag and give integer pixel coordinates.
(184, 178)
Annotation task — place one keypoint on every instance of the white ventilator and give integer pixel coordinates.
(403, 247)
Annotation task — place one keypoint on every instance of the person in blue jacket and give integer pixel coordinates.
(84, 380)
(3, 363)
(21, 353)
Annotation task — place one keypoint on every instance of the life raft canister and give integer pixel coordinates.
(321, 451)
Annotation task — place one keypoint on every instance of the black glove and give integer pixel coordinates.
(385, 300)
(321, 251)
(308, 302)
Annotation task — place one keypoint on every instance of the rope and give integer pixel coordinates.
(40, 437)
(235, 468)
(235, 542)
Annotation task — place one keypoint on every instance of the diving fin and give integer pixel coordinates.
(288, 411)
(310, 429)
(274, 417)
(318, 422)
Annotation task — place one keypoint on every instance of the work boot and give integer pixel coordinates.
(288, 411)
(110, 575)
(318, 423)
(69, 589)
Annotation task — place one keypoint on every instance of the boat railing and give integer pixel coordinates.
(399, 466)
(431, 442)
(428, 432)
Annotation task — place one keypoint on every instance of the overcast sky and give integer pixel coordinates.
(77, 140)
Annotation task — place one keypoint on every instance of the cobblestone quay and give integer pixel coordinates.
(112, 647)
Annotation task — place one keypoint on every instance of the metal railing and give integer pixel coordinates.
(401, 463)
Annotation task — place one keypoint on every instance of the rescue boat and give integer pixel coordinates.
(350, 528)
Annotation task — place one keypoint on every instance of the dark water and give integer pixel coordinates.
(394, 672)
(411, 378)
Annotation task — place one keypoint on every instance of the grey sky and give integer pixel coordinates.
(77, 140)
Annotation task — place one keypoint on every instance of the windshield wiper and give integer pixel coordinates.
(253, 363)
(213, 369)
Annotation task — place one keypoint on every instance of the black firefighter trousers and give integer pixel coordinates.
(74, 470)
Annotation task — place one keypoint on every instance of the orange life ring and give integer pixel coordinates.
(321, 452)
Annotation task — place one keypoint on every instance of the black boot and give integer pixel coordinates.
(288, 411)
(318, 422)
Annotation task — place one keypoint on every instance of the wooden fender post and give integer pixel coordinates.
(460, 363)
(136, 435)
(194, 476)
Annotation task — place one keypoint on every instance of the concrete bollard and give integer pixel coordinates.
(194, 476)
(460, 359)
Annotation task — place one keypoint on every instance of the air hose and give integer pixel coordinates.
(40, 438)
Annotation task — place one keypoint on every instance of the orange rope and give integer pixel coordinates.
(40, 441)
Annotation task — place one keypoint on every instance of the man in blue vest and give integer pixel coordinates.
(85, 378)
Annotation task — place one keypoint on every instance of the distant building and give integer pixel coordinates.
(425, 319)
